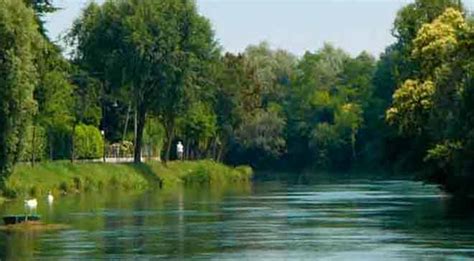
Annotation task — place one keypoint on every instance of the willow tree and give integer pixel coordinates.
(150, 51)
(19, 34)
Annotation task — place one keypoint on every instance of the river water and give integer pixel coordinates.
(334, 219)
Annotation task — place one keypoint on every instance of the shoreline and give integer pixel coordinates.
(63, 177)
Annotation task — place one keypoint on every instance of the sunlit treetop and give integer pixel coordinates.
(411, 103)
(439, 39)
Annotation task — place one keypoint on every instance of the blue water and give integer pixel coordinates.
(332, 219)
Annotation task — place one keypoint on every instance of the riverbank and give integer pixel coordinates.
(63, 177)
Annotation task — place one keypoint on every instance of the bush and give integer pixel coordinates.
(88, 142)
(245, 171)
(40, 143)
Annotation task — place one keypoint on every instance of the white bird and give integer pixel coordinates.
(50, 198)
(31, 204)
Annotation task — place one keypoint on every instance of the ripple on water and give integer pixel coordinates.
(341, 219)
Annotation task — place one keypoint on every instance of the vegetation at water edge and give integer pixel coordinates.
(64, 177)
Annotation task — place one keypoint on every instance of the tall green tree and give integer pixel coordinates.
(433, 107)
(233, 98)
(147, 49)
(18, 76)
(41, 8)
(395, 66)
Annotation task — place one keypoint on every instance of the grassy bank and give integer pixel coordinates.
(64, 177)
(199, 173)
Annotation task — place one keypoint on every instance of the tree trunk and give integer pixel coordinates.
(188, 144)
(208, 151)
(72, 143)
(126, 122)
(140, 126)
(50, 139)
(33, 146)
(169, 139)
(19, 144)
(214, 149)
(135, 126)
(221, 152)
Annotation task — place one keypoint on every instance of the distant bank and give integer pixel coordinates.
(63, 177)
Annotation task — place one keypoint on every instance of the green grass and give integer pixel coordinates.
(203, 172)
(64, 177)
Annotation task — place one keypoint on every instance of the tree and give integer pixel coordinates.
(198, 50)
(316, 80)
(326, 107)
(54, 96)
(238, 97)
(395, 66)
(153, 137)
(41, 7)
(148, 49)
(18, 76)
(433, 106)
(86, 104)
(263, 133)
(406, 25)
(197, 127)
(412, 103)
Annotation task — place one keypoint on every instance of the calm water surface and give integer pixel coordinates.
(337, 219)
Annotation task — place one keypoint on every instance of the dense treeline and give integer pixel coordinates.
(150, 73)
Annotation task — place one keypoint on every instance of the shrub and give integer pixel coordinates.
(245, 171)
(88, 142)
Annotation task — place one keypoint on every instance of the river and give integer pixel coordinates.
(335, 219)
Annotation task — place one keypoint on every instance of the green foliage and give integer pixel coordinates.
(18, 47)
(251, 88)
(326, 106)
(436, 41)
(64, 177)
(153, 137)
(324, 138)
(204, 172)
(198, 126)
(36, 142)
(41, 7)
(88, 142)
(54, 96)
(87, 90)
(127, 56)
(397, 65)
(263, 132)
(412, 103)
(443, 153)
(433, 105)
(408, 22)
(59, 143)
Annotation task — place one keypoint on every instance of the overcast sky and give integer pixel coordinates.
(294, 25)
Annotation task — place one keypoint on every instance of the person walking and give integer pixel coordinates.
(180, 150)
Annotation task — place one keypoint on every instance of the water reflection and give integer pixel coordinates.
(334, 219)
